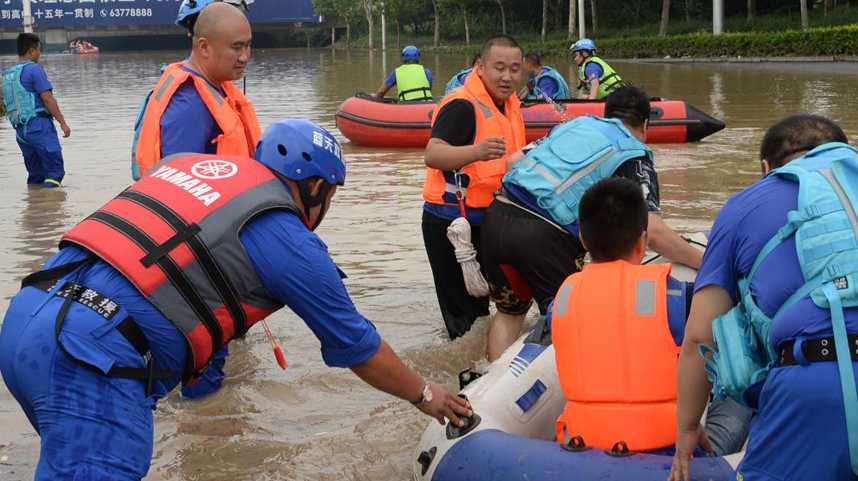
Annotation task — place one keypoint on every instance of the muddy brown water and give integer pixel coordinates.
(312, 422)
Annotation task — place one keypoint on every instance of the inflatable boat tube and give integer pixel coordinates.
(511, 435)
(370, 121)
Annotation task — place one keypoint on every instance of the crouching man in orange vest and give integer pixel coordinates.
(616, 327)
(474, 131)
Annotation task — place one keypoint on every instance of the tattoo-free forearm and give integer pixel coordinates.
(386, 372)
(52, 106)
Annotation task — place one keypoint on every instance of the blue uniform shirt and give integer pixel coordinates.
(35, 79)
(39, 130)
(187, 125)
(293, 265)
(743, 226)
(391, 79)
(548, 86)
(593, 71)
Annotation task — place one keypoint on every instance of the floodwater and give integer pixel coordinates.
(312, 422)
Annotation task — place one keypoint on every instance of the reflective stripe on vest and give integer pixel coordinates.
(608, 82)
(457, 81)
(174, 235)
(412, 82)
(616, 357)
(234, 114)
(573, 157)
(19, 102)
(480, 179)
(562, 87)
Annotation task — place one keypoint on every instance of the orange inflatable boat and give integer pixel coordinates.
(370, 121)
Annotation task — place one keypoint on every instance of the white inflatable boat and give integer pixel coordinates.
(511, 435)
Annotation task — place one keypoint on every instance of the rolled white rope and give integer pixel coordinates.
(459, 233)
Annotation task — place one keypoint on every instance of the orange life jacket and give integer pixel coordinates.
(616, 358)
(483, 177)
(234, 114)
(174, 235)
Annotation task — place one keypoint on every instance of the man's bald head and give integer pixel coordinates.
(221, 42)
(218, 18)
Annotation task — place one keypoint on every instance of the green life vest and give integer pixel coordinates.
(608, 82)
(412, 83)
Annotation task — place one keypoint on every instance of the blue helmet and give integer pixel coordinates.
(583, 44)
(299, 150)
(410, 54)
(189, 9)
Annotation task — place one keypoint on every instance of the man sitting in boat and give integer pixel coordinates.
(595, 76)
(459, 79)
(543, 81)
(529, 242)
(412, 80)
(776, 296)
(616, 327)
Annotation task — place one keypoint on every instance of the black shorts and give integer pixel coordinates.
(525, 257)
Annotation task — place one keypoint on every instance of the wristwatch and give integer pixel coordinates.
(425, 396)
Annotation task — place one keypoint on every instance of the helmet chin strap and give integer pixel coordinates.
(311, 201)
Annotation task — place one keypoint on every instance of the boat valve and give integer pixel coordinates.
(425, 460)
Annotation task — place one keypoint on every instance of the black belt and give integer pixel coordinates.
(816, 350)
(106, 308)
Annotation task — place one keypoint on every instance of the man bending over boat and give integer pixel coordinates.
(529, 241)
(616, 327)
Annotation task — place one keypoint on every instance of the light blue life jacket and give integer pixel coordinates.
(562, 87)
(458, 80)
(138, 126)
(20, 103)
(825, 226)
(574, 156)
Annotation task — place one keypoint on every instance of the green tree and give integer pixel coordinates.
(344, 10)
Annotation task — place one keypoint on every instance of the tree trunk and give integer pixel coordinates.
(827, 6)
(593, 16)
(348, 33)
(752, 9)
(503, 16)
(467, 29)
(573, 16)
(397, 35)
(665, 18)
(367, 7)
(688, 10)
(544, 19)
(333, 36)
(436, 36)
(804, 21)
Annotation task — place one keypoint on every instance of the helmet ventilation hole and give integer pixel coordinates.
(306, 156)
(282, 149)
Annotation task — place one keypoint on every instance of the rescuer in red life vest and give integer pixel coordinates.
(145, 290)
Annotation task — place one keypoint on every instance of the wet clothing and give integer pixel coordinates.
(535, 254)
(799, 431)
(38, 140)
(476, 182)
(91, 424)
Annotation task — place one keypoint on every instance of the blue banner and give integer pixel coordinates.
(102, 13)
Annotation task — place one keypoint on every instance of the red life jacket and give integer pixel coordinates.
(174, 235)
